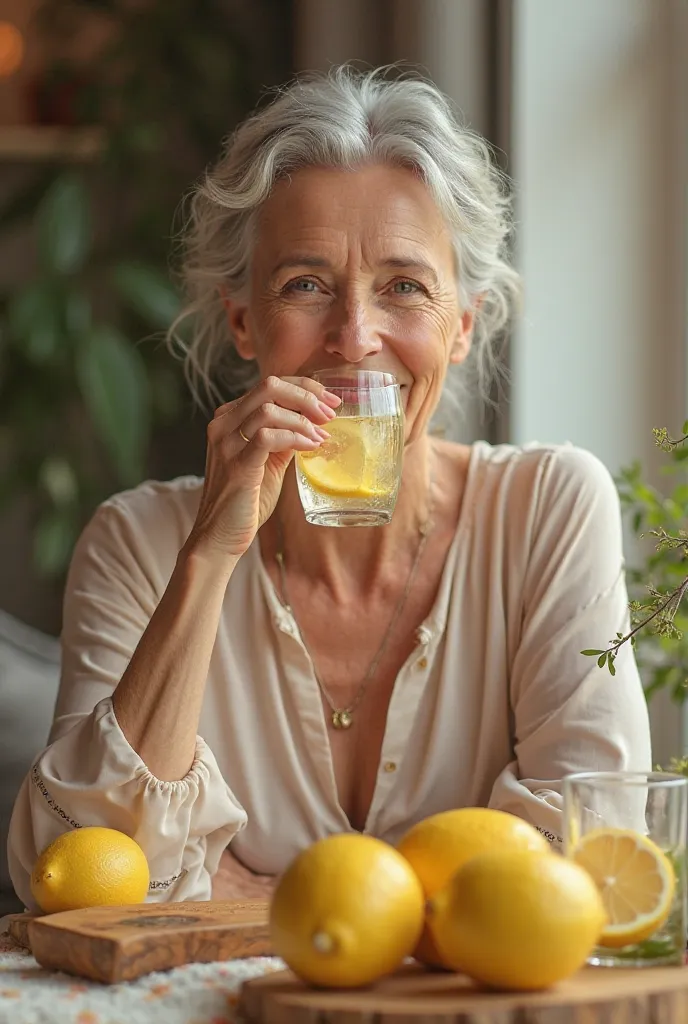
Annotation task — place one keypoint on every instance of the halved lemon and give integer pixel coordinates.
(346, 466)
(636, 881)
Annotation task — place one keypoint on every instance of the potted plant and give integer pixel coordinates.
(86, 386)
(659, 583)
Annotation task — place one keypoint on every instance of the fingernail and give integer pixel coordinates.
(326, 410)
(322, 434)
(331, 399)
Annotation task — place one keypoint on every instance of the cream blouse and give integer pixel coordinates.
(492, 708)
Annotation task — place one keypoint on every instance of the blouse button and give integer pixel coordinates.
(390, 766)
(422, 663)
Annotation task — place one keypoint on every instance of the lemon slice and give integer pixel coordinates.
(346, 466)
(635, 879)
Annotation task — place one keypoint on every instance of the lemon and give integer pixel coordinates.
(348, 465)
(346, 911)
(517, 919)
(90, 867)
(635, 879)
(438, 846)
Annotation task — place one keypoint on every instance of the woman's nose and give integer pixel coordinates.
(353, 335)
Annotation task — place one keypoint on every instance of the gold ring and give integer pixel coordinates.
(246, 439)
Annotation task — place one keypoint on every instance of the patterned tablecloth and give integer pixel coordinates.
(195, 994)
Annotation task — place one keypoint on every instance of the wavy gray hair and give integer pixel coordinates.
(342, 119)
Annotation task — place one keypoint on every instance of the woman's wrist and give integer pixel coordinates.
(201, 561)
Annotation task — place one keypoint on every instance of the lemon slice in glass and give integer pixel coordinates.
(344, 466)
(636, 881)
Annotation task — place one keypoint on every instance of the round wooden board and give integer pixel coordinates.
(657, 995)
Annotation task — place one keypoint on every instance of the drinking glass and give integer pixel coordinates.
(645, 813)
(353, 478)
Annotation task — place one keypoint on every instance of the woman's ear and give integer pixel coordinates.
(239, 325)
(461, 345)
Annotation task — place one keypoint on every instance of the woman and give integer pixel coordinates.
(350, 223)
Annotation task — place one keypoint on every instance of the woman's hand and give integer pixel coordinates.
(233, 881)
(250, 444)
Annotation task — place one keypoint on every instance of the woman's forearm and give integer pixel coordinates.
(233, 881)
(158, 700)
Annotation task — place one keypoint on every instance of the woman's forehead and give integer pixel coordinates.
(386, 210)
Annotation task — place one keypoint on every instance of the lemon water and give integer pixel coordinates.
(353, 478)
(666, 947)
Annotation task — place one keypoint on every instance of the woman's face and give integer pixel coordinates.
(355, 269)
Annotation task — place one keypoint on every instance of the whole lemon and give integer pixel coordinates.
(346, 911)
(90, 867)
(517, 919)
(438, 846)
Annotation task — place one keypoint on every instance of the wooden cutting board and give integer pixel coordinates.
(593, 996)
(114, 944)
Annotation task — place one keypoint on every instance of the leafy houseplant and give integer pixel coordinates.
(657, 586)
(85, 383)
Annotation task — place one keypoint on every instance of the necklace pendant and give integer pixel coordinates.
(341, 719)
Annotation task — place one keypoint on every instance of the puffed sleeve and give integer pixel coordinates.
(568, 714)
(89, 774)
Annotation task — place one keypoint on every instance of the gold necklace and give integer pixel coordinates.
(342, 718)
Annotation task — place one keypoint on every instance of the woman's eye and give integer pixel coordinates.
(302, 284)
(406, 287)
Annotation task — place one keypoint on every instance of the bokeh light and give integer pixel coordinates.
(11, 49)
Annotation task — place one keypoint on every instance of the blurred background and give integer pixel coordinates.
(110, 109)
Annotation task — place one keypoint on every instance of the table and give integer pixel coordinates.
(194, 994)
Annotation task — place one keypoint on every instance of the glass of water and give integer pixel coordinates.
(353, 478)
(628, 829)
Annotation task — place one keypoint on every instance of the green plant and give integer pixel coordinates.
(84, 381)
(657, 586)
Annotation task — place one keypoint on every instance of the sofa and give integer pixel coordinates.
(29, 679)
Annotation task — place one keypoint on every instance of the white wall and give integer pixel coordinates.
(599, 154)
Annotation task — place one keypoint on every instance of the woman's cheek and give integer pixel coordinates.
(287, 341)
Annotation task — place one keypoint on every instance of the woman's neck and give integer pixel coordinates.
(351, 561)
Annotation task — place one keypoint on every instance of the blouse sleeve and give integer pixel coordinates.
(89, 774)
(568, 714)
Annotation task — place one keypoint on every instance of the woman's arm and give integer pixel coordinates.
(89, 774)
(233, 881)
(158, 700)
(569, 715)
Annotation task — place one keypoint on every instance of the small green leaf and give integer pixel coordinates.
(148, 292)
(685, 428)
(54, 540)
(114, 385)
(590, 653)
(610, 666)
(602, 659)
(680, 495)
(59, 480)
(64, 225)
(35, 322)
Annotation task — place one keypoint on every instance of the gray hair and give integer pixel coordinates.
(343, 119)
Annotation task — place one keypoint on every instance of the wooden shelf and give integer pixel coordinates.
(42, 142)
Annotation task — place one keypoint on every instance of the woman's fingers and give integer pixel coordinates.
(278, 418)
(271, 441)
(315, 388)
(300, 394)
